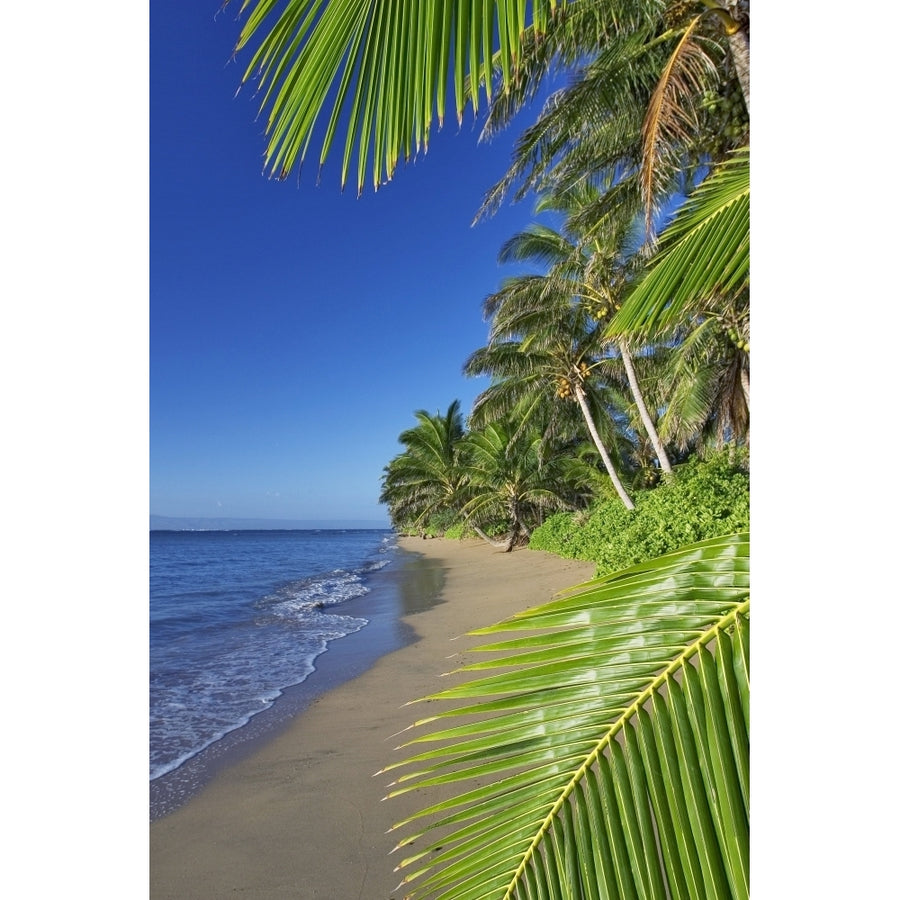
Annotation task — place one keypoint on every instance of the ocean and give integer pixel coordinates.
(238, 623)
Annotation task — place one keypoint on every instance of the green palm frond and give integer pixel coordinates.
(592, 125)
(608, 757)
(704, 254)
(538, 244)
(706, 403)
(528, 292)
(576, 30)
(379, 71)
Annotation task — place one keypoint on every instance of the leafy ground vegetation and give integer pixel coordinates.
(702, 499)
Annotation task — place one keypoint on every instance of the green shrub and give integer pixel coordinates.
(456, 532)
(703, 499)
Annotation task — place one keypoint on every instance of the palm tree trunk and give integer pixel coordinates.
(739, 43)
(607, 460)
(653, 434)
(736, 25)
(513, 512)
(745, 385)
(484, 537)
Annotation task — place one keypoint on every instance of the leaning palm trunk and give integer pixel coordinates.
(601, 447)
(484, 537)
(650, 428)
(517, 529)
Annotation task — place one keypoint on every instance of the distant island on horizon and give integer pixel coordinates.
(186, 523)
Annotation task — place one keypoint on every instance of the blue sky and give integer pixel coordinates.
(294, 329)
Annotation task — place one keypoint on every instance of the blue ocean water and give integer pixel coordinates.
(236, 617)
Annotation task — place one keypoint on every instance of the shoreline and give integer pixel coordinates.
(397, 592)
(300, 813)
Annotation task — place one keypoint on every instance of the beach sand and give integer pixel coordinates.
(303, 816)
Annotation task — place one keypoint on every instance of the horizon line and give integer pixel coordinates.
(158, 522)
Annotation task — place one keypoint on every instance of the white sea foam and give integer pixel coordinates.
(218, 660)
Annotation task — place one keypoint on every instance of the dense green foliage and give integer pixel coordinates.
(499, 480)
(703, 499)
(455, 532)
(423, 485)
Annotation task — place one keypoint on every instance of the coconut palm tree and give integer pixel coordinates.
(514, 475)
(540, 341)
(641, 116)
(709, 371)
(595, 263)
(433, 478)
(427, 478)
(656, 96)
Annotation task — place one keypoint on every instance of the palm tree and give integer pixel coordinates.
(593, 262)
(513, 475)
(632, 119)
(709, 373)
(609, 757)
(541, 341)
(427, 478)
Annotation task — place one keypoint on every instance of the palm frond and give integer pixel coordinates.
(592, 125)
(538, 244)
(576, 30)
(706, 402)
(378, 71)
(704, 254)
(671, 117)
(608, 757)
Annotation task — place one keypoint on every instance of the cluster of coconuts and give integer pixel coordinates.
(728, 109)
(736, 339)
(599, 309)
(676, 13)
(564, 386)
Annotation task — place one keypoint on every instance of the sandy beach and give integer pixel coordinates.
(303, 816)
